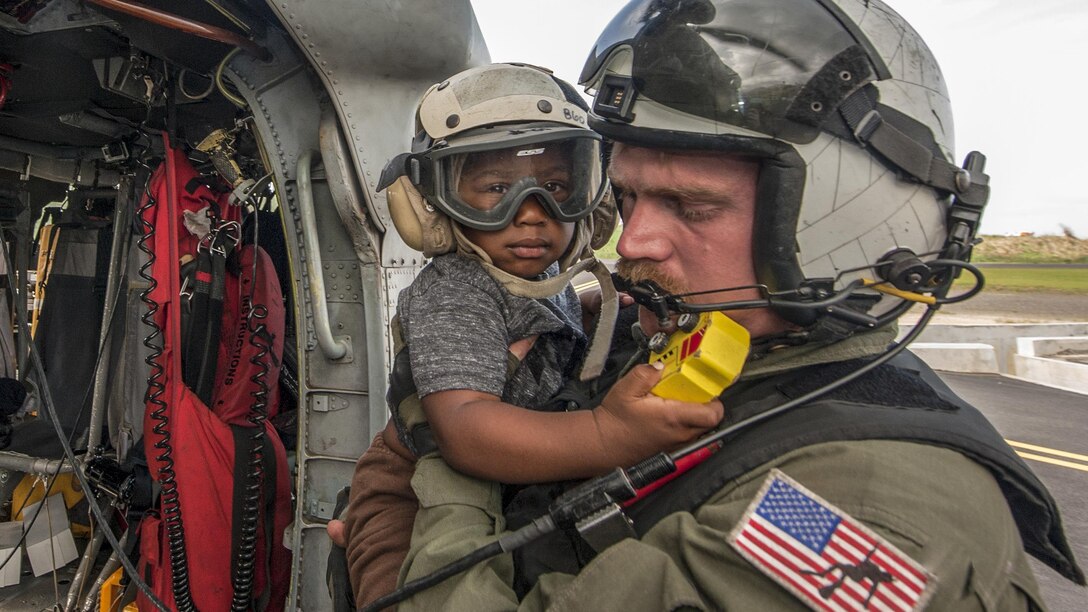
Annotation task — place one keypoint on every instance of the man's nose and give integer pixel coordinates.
(644, 235)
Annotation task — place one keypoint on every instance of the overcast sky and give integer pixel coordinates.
(1015, 72)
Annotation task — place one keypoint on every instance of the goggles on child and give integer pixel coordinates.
(483, 178)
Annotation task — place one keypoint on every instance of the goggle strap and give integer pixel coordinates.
(601, 342)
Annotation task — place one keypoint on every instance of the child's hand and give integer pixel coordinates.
(634, 424)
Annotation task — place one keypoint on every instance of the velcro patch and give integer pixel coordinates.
(827, 559)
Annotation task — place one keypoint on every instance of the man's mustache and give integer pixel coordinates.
(637, 271)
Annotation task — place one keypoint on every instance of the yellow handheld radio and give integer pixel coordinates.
(702, 358)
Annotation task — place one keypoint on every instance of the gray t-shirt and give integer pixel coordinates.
(459, 322)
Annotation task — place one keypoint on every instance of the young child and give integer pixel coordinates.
(503, 189)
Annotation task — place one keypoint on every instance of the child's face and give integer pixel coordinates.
(534, 239)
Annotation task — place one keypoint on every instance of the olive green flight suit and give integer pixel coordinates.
(936, 506)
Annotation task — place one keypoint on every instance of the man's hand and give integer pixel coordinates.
(634, 424)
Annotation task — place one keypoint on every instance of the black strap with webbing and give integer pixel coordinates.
(203, 318)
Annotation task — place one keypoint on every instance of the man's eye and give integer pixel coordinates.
(696, 213)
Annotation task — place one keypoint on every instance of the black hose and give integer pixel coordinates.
(242, 573)
(464, 563)
(169, 503)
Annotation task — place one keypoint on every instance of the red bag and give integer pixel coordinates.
(202, 441)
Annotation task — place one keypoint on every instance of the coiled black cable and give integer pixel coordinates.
(169, 504)
(243, 567)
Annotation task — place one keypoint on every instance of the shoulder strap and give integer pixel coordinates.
(402, 397)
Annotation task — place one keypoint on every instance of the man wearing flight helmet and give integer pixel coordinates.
(787, 161)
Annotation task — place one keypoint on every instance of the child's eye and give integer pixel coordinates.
(556, 187)
(497, 188)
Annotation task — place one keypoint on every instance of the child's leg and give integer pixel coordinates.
(379, 517)
(457, 515)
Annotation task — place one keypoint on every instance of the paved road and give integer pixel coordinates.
(1040, 420)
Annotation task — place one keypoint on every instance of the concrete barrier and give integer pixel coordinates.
(1036, 360)
(958, 357)
(1002, 338)
(1038, 353)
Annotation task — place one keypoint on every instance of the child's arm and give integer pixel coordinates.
(486, 438)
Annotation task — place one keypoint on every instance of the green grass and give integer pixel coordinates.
(1047, 279)
(1027, 256)
(1056, 279)
(608, 251)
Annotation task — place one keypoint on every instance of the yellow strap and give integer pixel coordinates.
(885, 287)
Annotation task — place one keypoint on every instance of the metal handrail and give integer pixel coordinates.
(333, 348)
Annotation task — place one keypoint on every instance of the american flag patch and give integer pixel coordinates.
(823, 556)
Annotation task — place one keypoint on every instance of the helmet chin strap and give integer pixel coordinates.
(579, 258)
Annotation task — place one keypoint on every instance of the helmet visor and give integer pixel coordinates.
(483, 185)
(743, 66)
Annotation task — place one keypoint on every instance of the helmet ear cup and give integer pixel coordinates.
(421, 226)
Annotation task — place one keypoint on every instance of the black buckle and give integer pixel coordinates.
(614, 98)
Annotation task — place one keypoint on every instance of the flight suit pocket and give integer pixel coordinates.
(437, 484)
(1017, 593)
